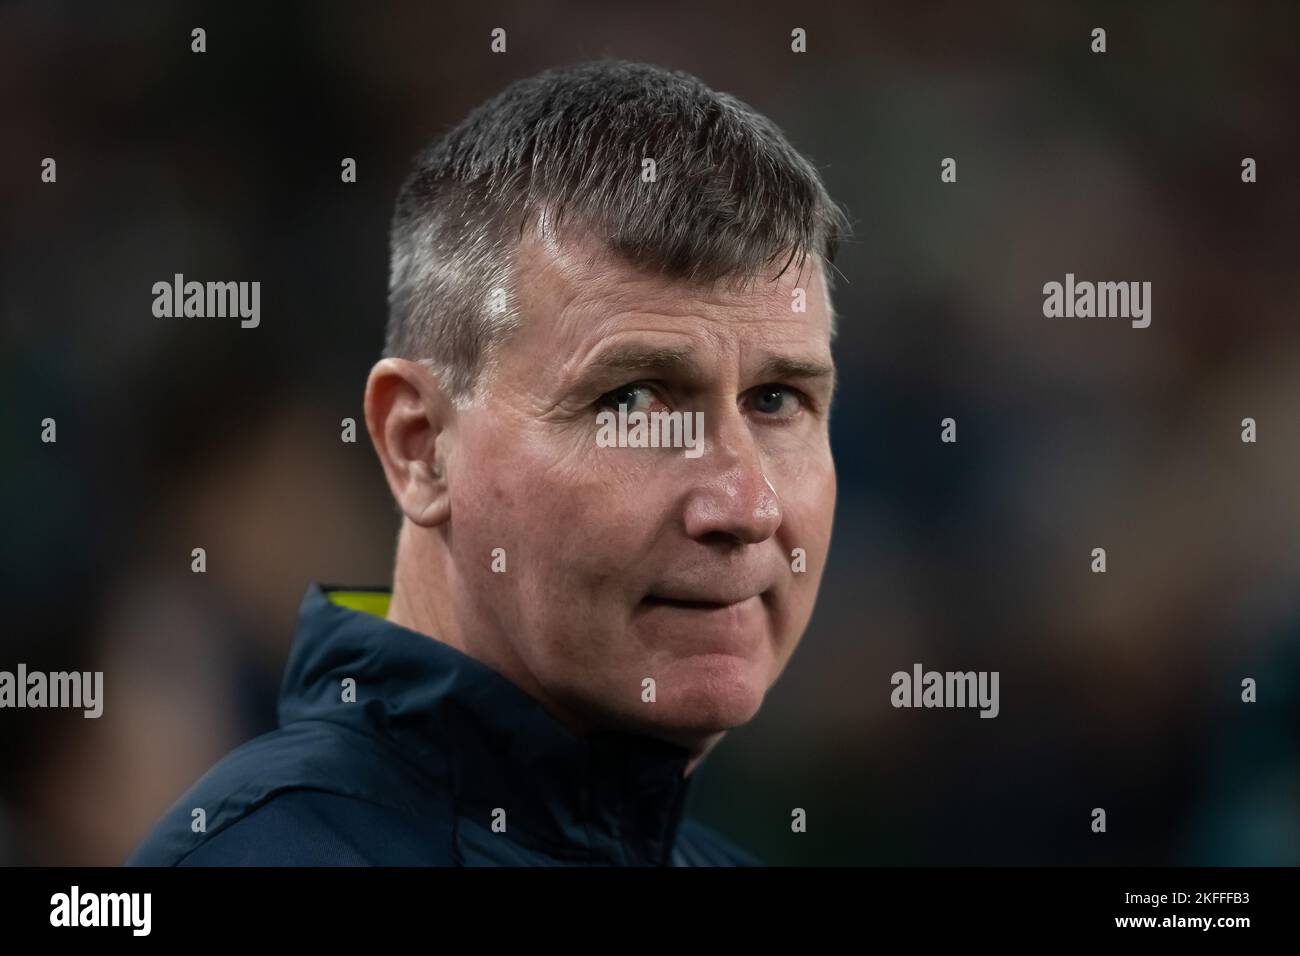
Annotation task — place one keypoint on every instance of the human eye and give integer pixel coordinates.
(775, 402)
(637, 397)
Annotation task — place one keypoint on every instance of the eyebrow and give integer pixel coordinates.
(633, 357)
(636, 357)
(781, 367)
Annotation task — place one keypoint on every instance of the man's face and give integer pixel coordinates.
(626, 563)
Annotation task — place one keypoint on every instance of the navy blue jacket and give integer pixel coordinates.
(438, 760)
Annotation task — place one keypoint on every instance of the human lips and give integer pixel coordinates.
(708, 622)
(712, 602)
(712, 591)
(736, 602)
(727, 607)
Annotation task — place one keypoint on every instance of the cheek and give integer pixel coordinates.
(807, 490)
(809, 512)
(502, 500)
(569, 523)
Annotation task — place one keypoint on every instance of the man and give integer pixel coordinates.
(572, 624)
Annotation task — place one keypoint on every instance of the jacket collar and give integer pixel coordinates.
(472, 734)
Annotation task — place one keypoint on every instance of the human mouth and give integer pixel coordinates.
(711, 602)
(654, 600)
(731, 613)
(715, 623)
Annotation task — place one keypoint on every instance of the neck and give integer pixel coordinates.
(424, 582)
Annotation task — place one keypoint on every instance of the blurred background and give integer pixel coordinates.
(1119, 691)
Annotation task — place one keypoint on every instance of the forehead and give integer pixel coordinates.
(573, 293)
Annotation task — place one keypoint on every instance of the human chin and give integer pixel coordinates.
(707, 693)
(711, 665)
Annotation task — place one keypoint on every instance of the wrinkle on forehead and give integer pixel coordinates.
(577, 266)
(573, 294)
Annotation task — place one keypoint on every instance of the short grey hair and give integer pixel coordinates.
(731, 197)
